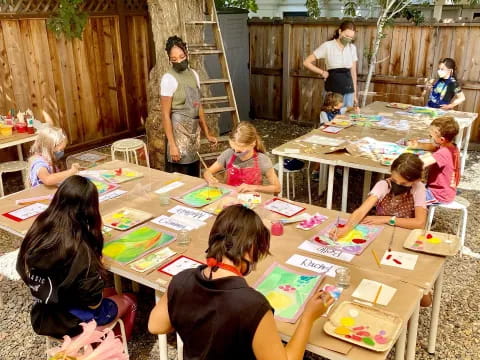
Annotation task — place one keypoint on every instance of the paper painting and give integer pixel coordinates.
(203, 195)
(153, 259)
(399, 259)
(355, 242)
(179, 264)
(125, 218)
(136, 243)
(287, 291)
(120, 175)
(102, 186)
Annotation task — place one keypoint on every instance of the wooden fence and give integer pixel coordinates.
(94, 88)
(281, 88)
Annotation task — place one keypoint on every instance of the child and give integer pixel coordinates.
(213, 309)
(444, 162)
(46, 151)
(60, 260)
(332, 106)
(245, 162)
(446, 93)
(399, 200)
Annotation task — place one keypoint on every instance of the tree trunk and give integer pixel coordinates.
(164, 15)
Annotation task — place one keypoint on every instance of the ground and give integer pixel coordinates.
(459, 328)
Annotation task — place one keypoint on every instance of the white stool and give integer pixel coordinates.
(458, 204)
(129, 148)
(12, 166)
(109, 327)
(292, 173)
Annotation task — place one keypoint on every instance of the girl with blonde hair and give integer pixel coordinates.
(46, 151)
(245, 162)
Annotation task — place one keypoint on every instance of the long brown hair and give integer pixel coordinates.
(236, 231)
(409, 166)
(331, 100)
(246, 134)
(72, 221)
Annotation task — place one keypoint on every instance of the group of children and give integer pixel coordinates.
(61, 256)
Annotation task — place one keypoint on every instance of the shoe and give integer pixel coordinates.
(315, 176)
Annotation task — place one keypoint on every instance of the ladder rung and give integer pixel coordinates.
(213, 81)
(215, 99)
(200, 22)
(204, 52)
(219, 110)
(201, 46)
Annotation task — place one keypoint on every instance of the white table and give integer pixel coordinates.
(18, 140)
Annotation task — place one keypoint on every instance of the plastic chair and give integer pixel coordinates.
(129, 149)
(458, 204)
(13, 166)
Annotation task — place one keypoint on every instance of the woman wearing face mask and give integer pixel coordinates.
(182, 112)
(446, 92)
(399, 200)
(213, 309)
(245, 162)
(341, 63)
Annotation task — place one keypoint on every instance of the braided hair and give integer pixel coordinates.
(175, 41)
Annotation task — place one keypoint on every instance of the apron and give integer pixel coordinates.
(339, 81)
(186, 129)
(249, 175)
(401, 206)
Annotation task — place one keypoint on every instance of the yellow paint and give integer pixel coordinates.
(422, 238)
(354, 234)
(342, 330)
(347, 321)
(434, 240)
(130, 173)
(278, 300)
(114, 249)
(117, 216)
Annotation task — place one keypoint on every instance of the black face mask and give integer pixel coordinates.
(180, 66)
(249, 269)
(397, 189)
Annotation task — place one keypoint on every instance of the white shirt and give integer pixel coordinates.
(336, 57)
(168, 84)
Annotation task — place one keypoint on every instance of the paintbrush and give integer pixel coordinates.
(391, 239)
(336, 228)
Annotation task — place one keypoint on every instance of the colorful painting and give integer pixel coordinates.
(120, 175)
(203, 195)
(287, 291)
(355, 242)
(423, 110)
(136, 243)
(399, 106)
(364, 326)
(102, 186)
(125, 218)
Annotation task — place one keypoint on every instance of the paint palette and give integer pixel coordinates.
(125, 218)
(120, 175)
(431, 242)
(355, 242)
(341, 121)
(399, 106)
(203, 195)
(364, 326)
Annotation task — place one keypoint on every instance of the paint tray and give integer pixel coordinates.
(364, 326)
(120, 175)
(125, 218)
(432, 242)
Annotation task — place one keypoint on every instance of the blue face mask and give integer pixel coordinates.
(59, 154)
(241, 154)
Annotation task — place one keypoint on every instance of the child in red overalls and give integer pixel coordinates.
(245, 163)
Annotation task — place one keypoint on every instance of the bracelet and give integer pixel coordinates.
(392, 220)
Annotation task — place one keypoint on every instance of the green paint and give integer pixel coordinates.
(368, 341)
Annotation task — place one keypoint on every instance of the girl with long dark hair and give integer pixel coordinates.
(60, 260)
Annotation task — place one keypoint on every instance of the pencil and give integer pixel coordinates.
(376, 258)
(391, 239)
(378, 294)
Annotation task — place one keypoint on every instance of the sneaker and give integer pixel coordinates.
(315, 176)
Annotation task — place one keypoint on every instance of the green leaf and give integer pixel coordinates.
(68, 20)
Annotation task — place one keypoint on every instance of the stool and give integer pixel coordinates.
(458, 204)
(129, 148)
(118, 322)
(12, 166)
(292, 172)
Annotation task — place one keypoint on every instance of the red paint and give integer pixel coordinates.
(429, 236)
(359, 241)
(388, 257)
(355, 337)
(118, 171)
(340, 225)
(397, 261)
(348, 336)
(363, 333)
(358, 328)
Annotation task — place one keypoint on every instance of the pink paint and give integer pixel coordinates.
(381, 339)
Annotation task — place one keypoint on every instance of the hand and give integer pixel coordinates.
(212, 140)
(174, 153)
(246, 188)
(412, 143)
(317, 305)
(376, 220)
(325, 74)
(212, 180)
(341, 232)
(75, 168)
(446, 107)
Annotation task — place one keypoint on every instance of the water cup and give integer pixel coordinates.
(342, 277)
(183, 238)
(164, 198)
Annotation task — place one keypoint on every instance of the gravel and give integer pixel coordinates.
(459, 328)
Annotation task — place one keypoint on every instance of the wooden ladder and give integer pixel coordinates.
(214, 104)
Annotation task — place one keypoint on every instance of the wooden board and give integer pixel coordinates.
(436, 244)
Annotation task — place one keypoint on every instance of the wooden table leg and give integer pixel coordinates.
(331, 173)
(412, 333)
(19, 151)
(346, 172)
(400, 345)
(280, 174)
(162, 339)
(437, 298)
(117, 280)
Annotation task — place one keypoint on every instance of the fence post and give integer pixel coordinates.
(286, 104)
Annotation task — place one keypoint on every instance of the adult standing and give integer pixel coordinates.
(341, 59)
(182, 112)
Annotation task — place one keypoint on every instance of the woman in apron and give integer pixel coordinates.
(341, 63)
(182, 112)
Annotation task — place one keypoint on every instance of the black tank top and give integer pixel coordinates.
(216, 319)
